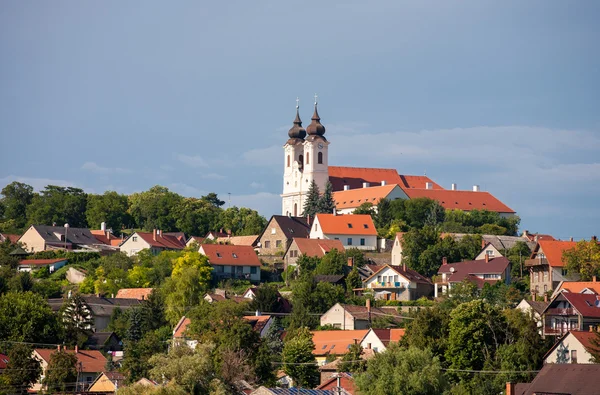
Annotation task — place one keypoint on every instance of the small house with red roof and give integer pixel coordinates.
(12, 238)
(231, 261)
(351, 317)
(335, 342)
(348, 200)
(134, 293)
(29, 265)
(573, 347)
(547, 267)
(569, 311)
(479, 272)
(354, 231)
(580, 287)
(311, 248)
(340, 383)
(397, 283)
(156, 241)
(260, 323)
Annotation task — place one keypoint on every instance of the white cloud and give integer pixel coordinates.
(37, 183)
(270, 156)
(192, 161)
(95, 168)
(212, 176)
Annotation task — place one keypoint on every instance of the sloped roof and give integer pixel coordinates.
(353, 224)
(462, 270)
(538, 307)
(91, 361)
(290, 226)
(500, 242)
(11, 237)
(134, 293)
(461, 200)
(409, 274)
(355, 176)
(99, 339)
(224, 254)
(389, 335)
(317, 247)
(102, 237)
(553, 251)
(555, 378)
(336, 342)
(3, 361)
(238, 240)
(578, 286)
(355, 197)
(74, 235)
(583, 303)
(100, 306)
(41, 262)
(362, 313)
(258, 322)
(180, 328)
(346, 382)
(162, 241)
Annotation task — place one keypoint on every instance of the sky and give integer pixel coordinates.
(198, 96)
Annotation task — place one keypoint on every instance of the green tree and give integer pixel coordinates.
(61, 373)
(414, 243)
(16, 196)
(298, 360)
(311, 204)
(110, 208)
(352, 361)
(154, 208)
(267, 299)
(27, 317)
(242, 221)
(402, 371)
(58, 205)
(353, 280)
(583, 259)
(77, 320)
(420, 212)
(326, 204)
(213, 199)
(428, 330)
(22, 370)
(137, 353)
(366, 208)
(384, 215)
(332, 263)
(197, 216)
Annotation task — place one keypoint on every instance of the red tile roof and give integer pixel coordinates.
(180, 328)
(258, 322)
(134, 293)
(41, 262)
(578, 286)
(461, 200)
(553, 251)
(417, 182)
(583, 303)
(346, 383)
(162, 241)
(359, 224)
(585, 337)
(91, 361)
(3, 361)
(223, 254)
(317, 247)
(355, 176)
(468, 269)
(336, 342)
(12, 238)
(355, 197)
(106, 237)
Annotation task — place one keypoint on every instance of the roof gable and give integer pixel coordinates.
(355, 224)
(553, 250)
(466, 270)
(336, 342)
(353, 198)
(316, 247)
(161, 240)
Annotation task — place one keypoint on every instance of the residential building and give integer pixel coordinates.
(354, 231)
(238, 240)
(379, 339)
(579, 287)
(348, 200)
(262, 390)
(194, 240)
(41, 238)
(107, 382)
(309, 247)
(573, 347)
(220, 295)
(156, 241)
(478, 272)
(29, 265)
(337, 343)
(12, 238)
(180, 333)
(489, 250)
(560, 379)
(134, 293)
(534, 308)
(214, 235)
(230, 261)
(397, 249)
(571, 311)
(105, 236)
(91, 364)
(546, 266)
(279, 232)
(397, 283)
(341, 383)
(352, 317)
(260, 323)
(107, 342)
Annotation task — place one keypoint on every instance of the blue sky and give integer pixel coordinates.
(198, 96)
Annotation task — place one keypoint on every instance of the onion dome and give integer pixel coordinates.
(315, 128)
(297, 131)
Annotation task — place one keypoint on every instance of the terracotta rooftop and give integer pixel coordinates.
(258, 322)
(3, 361)
(224, 254)
(553, 251)
(317, 247)
(180, 328)
(359, 224)
(459, 271)
(11, 237)
(134, 293)
(91, 361)
(578, 286)
(105, 237)
(356, 176)
(461, 200)
(583, 303)
(41, 262)
(355, 197)
(161, 241)
(336, 342)
(238, 240)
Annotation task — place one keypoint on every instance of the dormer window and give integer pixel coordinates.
(218, 255)
(234, 255)
(366, 226)
(350, 226)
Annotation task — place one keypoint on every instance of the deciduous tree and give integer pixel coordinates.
(61, 373)
(298, 360)
(16, 196)
(111, 208)
(583, 259)
(22, 370)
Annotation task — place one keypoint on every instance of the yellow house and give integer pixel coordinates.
(107, 382)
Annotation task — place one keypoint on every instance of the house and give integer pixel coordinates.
(546, 266)
(354, 231)
(341, 383)
(41, 238)
(230, 261)
(194, 240)
(90, 364)
(262, 390)
(309, 247)
(535, 237)
(589, 287)
(331, 369)
(100, 308)
(279, 232)
(479, 272)
(379, 339)
(107, 342)
(220, 295)
(214, 235)
(488, 249)
(107, 382)
(348, 200)
(328, 343)
(134, 293)
(238, 240)
(105, 236)
(29, 265)
(573, 347)
(397, 283)
(260, 323)
(352, 317)
(180, 335)
(155, 241)
(571, 311)
(560, 379)
(397, 249)
(12, 238)
(535, 308)
(146, 382)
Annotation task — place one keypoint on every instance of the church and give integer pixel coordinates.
(306, 160)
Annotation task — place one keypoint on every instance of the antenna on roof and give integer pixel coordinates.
(425, 172)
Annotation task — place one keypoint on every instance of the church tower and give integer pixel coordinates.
(305, 160)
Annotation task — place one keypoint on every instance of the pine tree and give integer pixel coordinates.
(311, 205)
(77, 320)
(326, 203)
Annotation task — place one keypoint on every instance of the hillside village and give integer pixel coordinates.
(365, 281)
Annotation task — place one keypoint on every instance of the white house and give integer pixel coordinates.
(398, 283)
(354, 231)
(28, 265)
(348, 200)
(572, 348)
(156, 241)
(490, 250)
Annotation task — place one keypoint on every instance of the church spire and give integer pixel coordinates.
(315, 128)
(297, 131)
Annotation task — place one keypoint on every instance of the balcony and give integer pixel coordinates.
(394, 285)
(560, 312)
(536, 262)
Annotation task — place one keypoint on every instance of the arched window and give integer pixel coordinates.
(320, 158)
(288, 162)
(307, 158)
(295, 209)
(301, 160)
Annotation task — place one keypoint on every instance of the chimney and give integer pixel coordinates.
(228, 232)
(404, 266)
(350, 261)
(339, 381)
(154, 234)
(366, 185)
(546, 298)
(76, 349)
(346, 187)
(103, 226)
(594, 238)
(368, 304)
(428, 185)
(383, 183)
(221, 230)
(475, 188)
(487, 258)
(58, 347)
(334, 211)
(257, 313)
(308, 219)
(571, 238)
(510, 388)
(444, 261)
(594, 279)
(525, 233)
(453, 187)
(591, 328)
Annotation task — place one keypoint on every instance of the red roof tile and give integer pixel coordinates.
(461, 200)
(3, 361)
(12, 238)
(359, 224)
(258, 322)
(346, 382)
(356, 176)
(578, 286)
(355, 197)
(585, 338)
(223, 254)
(417, 182)
(41, 262)
(317, 247)
(106, 237)
(134, 293)
(553, 251)
(583, 303)
(162, 241)
(92, 361)
(336, 342)
(180, 328)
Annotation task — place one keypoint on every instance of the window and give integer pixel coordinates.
(273, 231)
(395, 278)
(300, 160)
(88, 379)
(307, 158)
(134, 239)
(267, 244)
(288, 161)
(378, 279)
(320, 158)
(234, 255)
(490, 253)
(253, 270)
(573, 356)
(366, 226)
(277, 243)
(349, 241)
(350, 226)
(219, 269)
(218, 254)
(545, 287)
(337, 326)
(545, 275)
(362, 242)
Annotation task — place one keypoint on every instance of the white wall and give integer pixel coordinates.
(388, 275)
(570, 343)
(372, 339)
(131, 247)
(397, 252)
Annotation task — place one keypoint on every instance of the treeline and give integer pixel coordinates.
(156, 208)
